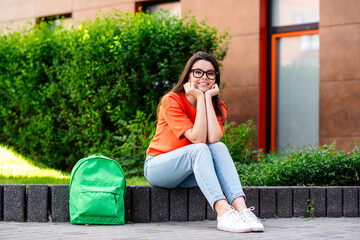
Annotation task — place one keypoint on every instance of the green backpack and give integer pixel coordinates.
(97, 191)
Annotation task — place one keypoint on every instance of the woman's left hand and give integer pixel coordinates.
(213, 91)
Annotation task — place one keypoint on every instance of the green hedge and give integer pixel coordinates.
(65, 94)
(324, 166)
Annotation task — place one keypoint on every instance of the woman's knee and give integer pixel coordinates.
(200, 147)
(218, 146)
(201, 152)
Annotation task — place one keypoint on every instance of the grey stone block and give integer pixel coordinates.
(37, 203)
(140, 197)
(300, 201)
(59, 203)
(318, 194)
(267, 196)
(127, 204)
(284, 202)
(178, 204)
(351, 201)
(210, 213)
(252, 198)
(197, 205)
(1, 202)
(334, 202)
(14, 202)
(159, 204)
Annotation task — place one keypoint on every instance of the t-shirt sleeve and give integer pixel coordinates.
(175, 115)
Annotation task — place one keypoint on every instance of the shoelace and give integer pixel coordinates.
(234, 214)
(248, 216)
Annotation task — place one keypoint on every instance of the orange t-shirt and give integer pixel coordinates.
(176, 115)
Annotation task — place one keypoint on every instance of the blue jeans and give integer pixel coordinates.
(208, 166)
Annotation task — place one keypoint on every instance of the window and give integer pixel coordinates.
(54, 21)
(289, 74)
(296, 81)
(153, 6)
(294, 12)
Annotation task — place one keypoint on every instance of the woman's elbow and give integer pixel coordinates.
(215, 139)
(198, 141)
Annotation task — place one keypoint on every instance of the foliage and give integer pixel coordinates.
(324, 166)
(16, 169)
(68, 93)
(239, 141)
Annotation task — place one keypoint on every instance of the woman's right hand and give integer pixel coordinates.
(192, 90)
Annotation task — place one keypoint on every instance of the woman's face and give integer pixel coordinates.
(202, 83)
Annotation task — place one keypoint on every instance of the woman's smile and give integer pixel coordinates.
(202, 83)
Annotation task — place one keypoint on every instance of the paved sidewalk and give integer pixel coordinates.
(293, 228)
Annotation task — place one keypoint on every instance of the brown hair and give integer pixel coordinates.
(179, 87)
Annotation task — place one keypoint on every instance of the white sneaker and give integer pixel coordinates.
(232, 222)
(249, 217)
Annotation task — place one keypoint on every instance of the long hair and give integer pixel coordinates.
(179, 87)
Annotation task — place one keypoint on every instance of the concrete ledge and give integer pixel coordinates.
(178, 204)
(300, 201)
(351, 202)
(252, 198)
(1, 203)
(14, 202)
(334, 202)
(140, 204)
(318, 200)
(127, 203)
(160, 208)
(37, 203)
(284, 203)
(267, 199)
(59, 203)
(44, 203)
(197, 205)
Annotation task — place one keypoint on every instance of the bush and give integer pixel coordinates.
(320, 167)
(239, 141)
(65, 94)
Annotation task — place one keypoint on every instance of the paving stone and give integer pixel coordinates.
(59, 203)
(159, 204)
(267, 197)
(127, 203)
(318, 200)
(1, 203)
(197, 205)
(252, 198)
(282, 229)
(37, 203)
(210, 213)
(178, 204)
(140, 197)
(284, 202)
(300, 201)
(334, 202)
(14, 202)
(351, 201)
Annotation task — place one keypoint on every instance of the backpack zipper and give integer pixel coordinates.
(115, 197)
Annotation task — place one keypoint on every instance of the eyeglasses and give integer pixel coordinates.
(198, 73)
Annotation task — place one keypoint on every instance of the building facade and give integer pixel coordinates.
(293, 66)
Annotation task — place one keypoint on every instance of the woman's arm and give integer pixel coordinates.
(198, 133)
(214, 133)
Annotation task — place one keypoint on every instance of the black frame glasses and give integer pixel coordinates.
(206, 72)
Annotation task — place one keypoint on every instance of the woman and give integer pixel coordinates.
(186, 150)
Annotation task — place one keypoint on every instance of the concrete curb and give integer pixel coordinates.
(42, 203)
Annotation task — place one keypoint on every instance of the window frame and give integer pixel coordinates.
(267, 71)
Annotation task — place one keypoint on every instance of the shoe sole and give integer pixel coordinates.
(257, 229)
(234, 230)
